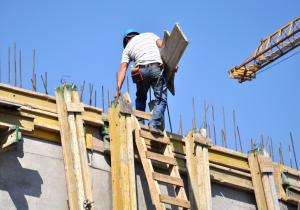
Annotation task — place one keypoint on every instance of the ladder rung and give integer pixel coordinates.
(141, 114)
(150, 136)
(175, 201)
(161, 158)
(167, 179)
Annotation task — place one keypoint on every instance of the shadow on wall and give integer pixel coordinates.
(16, 180)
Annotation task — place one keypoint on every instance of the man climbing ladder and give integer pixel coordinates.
(143, 49)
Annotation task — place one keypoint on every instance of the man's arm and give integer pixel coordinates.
(159, 43)
(121, 76)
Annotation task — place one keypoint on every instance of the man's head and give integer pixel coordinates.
(128, 35)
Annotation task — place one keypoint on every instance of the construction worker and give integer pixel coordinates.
(143, 49)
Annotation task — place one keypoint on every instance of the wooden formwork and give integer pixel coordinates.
(36, 116)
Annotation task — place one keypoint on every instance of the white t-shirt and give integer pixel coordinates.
(142, 49)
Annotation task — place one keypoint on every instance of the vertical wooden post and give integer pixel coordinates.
(198, 171)
(261, 168)
(74, 151)
(122, 160)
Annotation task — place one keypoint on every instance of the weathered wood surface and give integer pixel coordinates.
(174, 47)
(74, 151)
(67, 152)
(198, 174)
(263, 181)
(122, 161)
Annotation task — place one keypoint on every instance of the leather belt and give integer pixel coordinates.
(151, 65)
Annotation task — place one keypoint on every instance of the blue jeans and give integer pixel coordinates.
(151, 76)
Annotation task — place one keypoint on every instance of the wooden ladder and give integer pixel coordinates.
(164, 155)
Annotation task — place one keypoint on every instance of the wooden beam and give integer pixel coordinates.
(227, 159)
(86, 177)
(74, 151)
(66, 140)
(263, 181)
(9, 118)
(44, 104)
(266, 170)
(257, 182)
(122, 160)
(198, 174)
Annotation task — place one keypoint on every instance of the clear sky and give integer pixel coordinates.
(82, 40)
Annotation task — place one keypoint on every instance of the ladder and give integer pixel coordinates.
(163, 156)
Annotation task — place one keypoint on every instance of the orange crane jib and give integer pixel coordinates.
(271, 48)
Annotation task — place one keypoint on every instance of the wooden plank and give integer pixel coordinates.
(67, 153)
(273, 190)
(131, 166)
(75, 153)
(265, 164)
(199, 175)
(157, 138)
(161, 158)
(173, 49)
(226, 151)
(268, 193)
(39, 102)
(86, 177)
(75, 107)
(230, 179)
(278, 181)
(257, 183)
(175, 137)
(167, 179)
(122, 160)
(228, 160)
(11, 118)
(175, 201)
(230, 170)
(10, 105)
(141, 114)
(267, 178)
(28, 98)
(114, 130)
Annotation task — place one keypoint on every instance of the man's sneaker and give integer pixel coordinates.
(155, 130)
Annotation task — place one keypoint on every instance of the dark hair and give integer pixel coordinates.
(128, 37)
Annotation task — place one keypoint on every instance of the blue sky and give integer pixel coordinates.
(82, 40)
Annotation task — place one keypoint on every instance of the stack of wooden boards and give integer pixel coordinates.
(174, 47)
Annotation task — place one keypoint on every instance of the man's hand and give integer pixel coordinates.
(120, 79)
(176, 68)
(117, 94)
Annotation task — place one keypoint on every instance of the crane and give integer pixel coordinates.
(271, 48)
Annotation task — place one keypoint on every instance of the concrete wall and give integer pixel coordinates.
(227, 198)
(32, 177)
